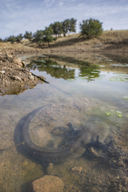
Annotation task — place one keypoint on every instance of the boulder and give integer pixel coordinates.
(47, 183)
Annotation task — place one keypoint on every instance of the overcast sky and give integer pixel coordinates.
(18, 16)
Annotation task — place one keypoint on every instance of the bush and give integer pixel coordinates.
(90, 28)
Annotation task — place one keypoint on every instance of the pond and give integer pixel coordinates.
(80, 126)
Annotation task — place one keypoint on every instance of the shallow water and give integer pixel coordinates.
(91, 96)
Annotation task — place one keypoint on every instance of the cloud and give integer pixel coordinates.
(18, 16)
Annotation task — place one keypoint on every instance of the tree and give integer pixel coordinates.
(38, 36)
(57, 28)
(69, 25)
(48, 35)
(72, 27)
(19, 38)
(28, 35)
(1, 40)
(65, 26)
(11, 39)
(91, 28)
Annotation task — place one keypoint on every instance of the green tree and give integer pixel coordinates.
(90, 28)
(72, 27)
(1, 40)
(28, 35)
(19, 38)
(57, 28)
(38, 36)
(68, 25)
(48, 35)
(65, 26)
(11, 39)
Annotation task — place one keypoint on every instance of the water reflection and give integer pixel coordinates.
(52, 68)
(99, 160)
(57, 70)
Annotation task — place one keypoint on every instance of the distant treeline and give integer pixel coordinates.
(88, 28)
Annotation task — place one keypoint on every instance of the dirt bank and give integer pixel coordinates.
(14, 76)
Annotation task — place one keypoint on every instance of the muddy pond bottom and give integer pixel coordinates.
(81, 137)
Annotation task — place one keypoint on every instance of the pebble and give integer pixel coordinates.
(77, 170)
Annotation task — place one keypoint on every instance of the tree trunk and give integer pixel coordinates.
(48, 44)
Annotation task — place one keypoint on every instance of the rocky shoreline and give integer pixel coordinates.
(14, 76)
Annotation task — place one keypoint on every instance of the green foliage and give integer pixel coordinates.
(38, 36)
(48, 35)
(1, 40)
(72, 25)
(69, 25)
(11, 39)
(19, 38)
(91, 28)
(28, 35)
(57, 28)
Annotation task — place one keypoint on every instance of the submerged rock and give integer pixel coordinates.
(77, 170)
(47, 183)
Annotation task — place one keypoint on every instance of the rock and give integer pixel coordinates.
(16, 78)
(77, 170)
(31, 77)
(47, 183)
(17, 61)
(2, 72)
(49, 168)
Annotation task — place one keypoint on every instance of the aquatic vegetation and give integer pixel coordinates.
(114, 113)
(125, 97)
(121, 77)
(70, 80)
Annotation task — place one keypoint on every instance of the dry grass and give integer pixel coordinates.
(72, 45)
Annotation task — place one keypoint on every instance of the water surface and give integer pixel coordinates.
(94, 97)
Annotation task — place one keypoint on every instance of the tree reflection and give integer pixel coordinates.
(53, 68)
(87, 70)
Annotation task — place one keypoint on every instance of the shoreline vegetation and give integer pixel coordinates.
(14, 75)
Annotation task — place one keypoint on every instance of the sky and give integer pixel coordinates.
(18, 16)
